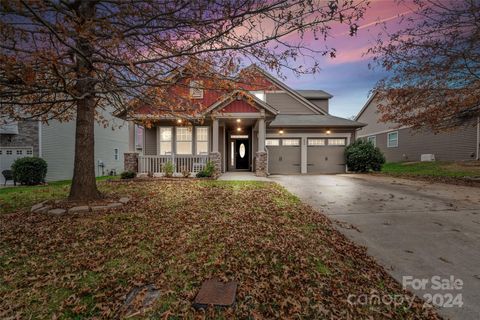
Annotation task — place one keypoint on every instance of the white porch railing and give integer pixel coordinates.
(156, 164)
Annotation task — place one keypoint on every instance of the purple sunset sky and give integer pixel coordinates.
(348, 77)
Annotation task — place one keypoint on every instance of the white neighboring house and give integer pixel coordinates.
(55, 143)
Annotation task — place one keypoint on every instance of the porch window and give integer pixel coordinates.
(372, 140)
(202, 140)
(165, 141)
(184, 140)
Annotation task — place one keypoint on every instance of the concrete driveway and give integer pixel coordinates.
(412, 228)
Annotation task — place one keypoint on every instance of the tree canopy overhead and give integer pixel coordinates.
(434, 66)
(68, 59)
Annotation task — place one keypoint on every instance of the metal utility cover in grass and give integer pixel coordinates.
(216, 293)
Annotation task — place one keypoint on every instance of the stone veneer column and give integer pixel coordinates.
(130, 161)
(261, 163)
(216, 158)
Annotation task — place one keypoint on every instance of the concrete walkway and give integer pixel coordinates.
(242, 176)
(412, 228)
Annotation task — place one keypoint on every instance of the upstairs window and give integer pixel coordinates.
(260, 95)
(196, 89)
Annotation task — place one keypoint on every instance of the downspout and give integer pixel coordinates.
(40, 151)
(478, 138)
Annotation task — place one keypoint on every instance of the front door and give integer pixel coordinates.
(241, 154)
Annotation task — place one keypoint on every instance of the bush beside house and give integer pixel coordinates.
(363, 156)
(30, 170)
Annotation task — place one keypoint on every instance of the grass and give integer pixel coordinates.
(14, 198)
(440, 169)
(289, 260)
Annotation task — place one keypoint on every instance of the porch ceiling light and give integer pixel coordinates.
(239, 120)
(179, 120)
(328, 131)
(280, 131)
(239, 129)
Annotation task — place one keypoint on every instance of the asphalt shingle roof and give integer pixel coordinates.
(314, 94)
(313, 120)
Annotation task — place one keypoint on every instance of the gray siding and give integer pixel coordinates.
(150, 145)
(370, 116)
(322, 103)
(286, 104)
(58, 147)
(456, 145)
(27, 136)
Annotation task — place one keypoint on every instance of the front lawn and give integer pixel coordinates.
(436, 170)
(13, 198)
(289, 260)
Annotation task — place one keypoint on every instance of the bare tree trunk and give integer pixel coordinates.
(84, 185)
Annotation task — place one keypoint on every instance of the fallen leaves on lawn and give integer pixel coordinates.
(289, 260)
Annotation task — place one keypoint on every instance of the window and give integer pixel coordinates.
(19, 152)
(138, 137)
(202, 140)
(184, 140)
(115, 154)
(392, 139)
(291, 142)
(29, 152)
(260, 95)
(165, 141)
(372, 140)
(272, 142)
(336, 142)
(196, 89)
(316, 142)
(0, 152)
(9, 152)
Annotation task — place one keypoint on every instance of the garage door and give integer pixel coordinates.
(9, 155)
(326, 155)
(284, 156)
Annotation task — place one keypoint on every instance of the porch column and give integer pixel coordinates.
(131, 137)
(215, 135)
(261, 134)
(261, 157)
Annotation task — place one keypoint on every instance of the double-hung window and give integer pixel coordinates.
(392, 139)
(115, 154)
(165, 144)
(184, 140)
(202, 140)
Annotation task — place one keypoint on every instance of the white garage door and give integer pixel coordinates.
(9, 155)
(326, 155)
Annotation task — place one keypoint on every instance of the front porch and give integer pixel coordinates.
(231, 134)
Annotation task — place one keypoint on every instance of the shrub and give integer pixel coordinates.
(128, 175)
(185, 172)
(208, 171)
(29, 170)
(169, 168)
(363, 156)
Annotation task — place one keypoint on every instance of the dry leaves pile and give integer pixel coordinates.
(288, 259)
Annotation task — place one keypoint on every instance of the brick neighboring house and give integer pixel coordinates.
(55, 143)
(400, 143)
(266, 129)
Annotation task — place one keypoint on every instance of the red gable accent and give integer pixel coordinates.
(239, 106)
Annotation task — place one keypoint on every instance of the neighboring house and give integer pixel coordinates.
(401, 143)
(267, 129)
(55, 143)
